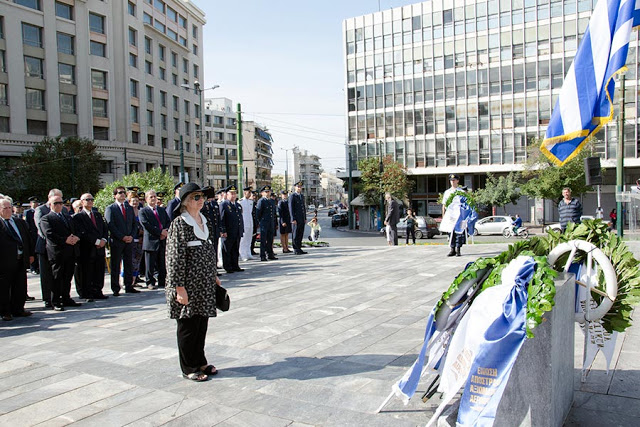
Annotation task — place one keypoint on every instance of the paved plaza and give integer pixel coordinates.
(309, 340)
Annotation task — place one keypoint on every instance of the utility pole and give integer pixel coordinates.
(239, 128)
(181, 160)
(226, 160)
(196, 85)
(164, 167)
(620, 163)
(351, 221)
(381, 170)
(126, 163)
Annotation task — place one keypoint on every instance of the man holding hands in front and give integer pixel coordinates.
(156, 222)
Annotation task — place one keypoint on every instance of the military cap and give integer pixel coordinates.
(160, 194)
(178, 186)
(454, 176)
(247, 188)
(16, 203)
(33, 199)
(232, 188)
(265, 188)
(133, 188)
(299, 184)
(220, 191)
(141, 195)
(284, 192)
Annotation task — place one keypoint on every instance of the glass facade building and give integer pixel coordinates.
(464, 86)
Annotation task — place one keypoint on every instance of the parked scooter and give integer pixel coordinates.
(522, 232)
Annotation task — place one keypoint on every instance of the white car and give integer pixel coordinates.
(556, 226)
(493, 225)
(320, 206)
(311, 208)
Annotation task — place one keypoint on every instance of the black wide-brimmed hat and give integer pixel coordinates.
(190, 188)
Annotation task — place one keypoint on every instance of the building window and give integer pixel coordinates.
(172, 34)
(133, 167)
(150, 117)
(147, 19)
(159, 4)
(176, 125)
(66, 73)
(187, 128)
(33, 67)
(196, 110)
(98, 49)
(135, 137)
(35, 99)
(106, 166)
(175, 103)
(101, 133)
(187, 107)
(151, 139)
(133, 37)
(3, 62)
(132, 9)
(161, 52)
(135, 115)
(183, 41)
(68, 129)
(37, 127)
(99, 79)
(196, 70)
(96, 23)
(164, 142)
(182, 21)
(172, 14)
(174, 79)
(33, 4)
(31, 35)
(150, 94)
(1, 27)
(66, 43)
(159, 26)
(133, 87)
(162, 73)
(163, 98)
(148, 46)
(185, 65)
(148, 67)
(4, 100)
(174, 59)
(64, 11)
(163, 121)
(194, 32)
(133, 60)
(67, 103)
(99, 107)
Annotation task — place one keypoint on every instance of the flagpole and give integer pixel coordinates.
(620, 162)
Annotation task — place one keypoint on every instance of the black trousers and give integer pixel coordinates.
(79, 280)
(298, 234)
(411, 232)
(458, 239)
(46, 277)
(62, 269)
(393, 234)
(35, 265)
(155, 261)
(92, 275)
(266, 243)
(13, 288)
(231, 253)
(192, 333)
(121, 252)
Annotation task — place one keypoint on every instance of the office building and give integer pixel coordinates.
(465, 86)
(307, 168)
(116, 72)
(257, 154)
(221, 136)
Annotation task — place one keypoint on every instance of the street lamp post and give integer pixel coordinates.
(286, 168)
(381, 170)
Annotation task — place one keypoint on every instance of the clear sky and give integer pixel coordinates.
(283, 61)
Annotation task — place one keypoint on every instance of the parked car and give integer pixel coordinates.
(427, 228)
(332, 211)
(493, 225)
(556, 226)
(339, 219)
(311, 208)
(320, 206)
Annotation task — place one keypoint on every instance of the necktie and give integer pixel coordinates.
(155, 212)
(124, 212)
(12, 231)
(93, 220)
(63, 219)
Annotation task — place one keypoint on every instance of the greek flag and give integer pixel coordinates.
(586, 99)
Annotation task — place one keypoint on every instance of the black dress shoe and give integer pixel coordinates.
(302, 253)
(7, 317)
(452, 252)
(273, 258)
(254, 253)
(263, 259)
(100, 296)
(48, 305)
(23, 313)
(116, 293)
(30, 298)
(132, 291)
(71, 303)
(230, 271)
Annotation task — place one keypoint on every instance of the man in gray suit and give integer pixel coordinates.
(392, 218)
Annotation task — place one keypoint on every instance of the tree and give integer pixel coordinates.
(393, 179)
(545, 180)
(151, 180)
(70, 164)
(277, 184)
(499, 191)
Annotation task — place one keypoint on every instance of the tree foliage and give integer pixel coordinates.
(277, 183)
(151, 180)
(70, 164)
(545, 180)
(499, 191)
(393, 179)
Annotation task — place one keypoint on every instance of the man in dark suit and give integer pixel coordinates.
(298, 215)
(155, 222)
(212, 211)
(265, 213)
(33, 230)
(392, 218)
(230, 227)
(175, 201)
(16, 250)
(93, 234)
(122, 226)
(59, 231)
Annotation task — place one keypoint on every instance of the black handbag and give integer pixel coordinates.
(222, 298)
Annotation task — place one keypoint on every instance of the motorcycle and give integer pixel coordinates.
(522, 232)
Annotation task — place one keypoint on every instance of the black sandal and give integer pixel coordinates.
(196, 376)
(210, 370)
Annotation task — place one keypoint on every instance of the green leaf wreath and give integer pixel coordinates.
(470, 200)
(541, 290)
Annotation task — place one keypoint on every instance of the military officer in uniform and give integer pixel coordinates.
(265, 213)
(247, 219)
(298, 215)
(175, 201)
(456, 240)
(211, 211)
(230, 226)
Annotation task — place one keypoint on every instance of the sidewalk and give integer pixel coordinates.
(309, 340)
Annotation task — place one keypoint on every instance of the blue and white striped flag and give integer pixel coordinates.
(586, 100)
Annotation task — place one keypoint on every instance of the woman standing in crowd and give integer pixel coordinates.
(191, 276)
(412, 223)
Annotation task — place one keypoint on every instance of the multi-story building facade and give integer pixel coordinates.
(306, 167)
(465, 86)
(117, 72)
(332, 188)
(257, 154)
(221, 137)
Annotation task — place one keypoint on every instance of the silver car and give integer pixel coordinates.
(493, 225)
